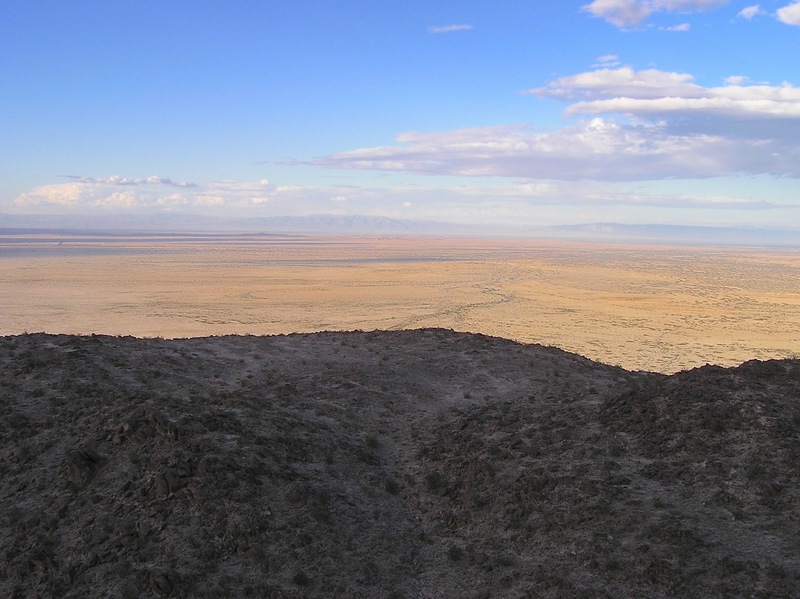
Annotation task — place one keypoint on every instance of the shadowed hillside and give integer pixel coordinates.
(402, 464)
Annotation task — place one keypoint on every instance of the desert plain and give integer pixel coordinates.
(655, 308)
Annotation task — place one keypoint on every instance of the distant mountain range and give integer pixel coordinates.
(674, 234)
(376, 225)
(316, 223)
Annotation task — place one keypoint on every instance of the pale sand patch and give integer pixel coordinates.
(654, 308)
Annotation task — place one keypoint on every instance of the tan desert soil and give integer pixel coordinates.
(405, 464)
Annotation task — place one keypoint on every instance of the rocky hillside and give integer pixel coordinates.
(405, 464)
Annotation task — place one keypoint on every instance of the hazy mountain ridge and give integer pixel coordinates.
(373, 225)
(677, 234)
(417, 464)
(317, 223)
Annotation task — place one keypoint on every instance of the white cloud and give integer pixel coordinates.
(515, 203)
(64, 194)
(629, 13)
(622, 13)
(449, 28)
(653, 93)
(671, 127)
(750, 12)
(720, 107)
(627, 125)
(679, 28)
(139, 194)
(789, 14)
(598, 149)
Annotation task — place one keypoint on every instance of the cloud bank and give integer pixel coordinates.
(513, 204)
(632, 125)
(145, 193)
(656, 94)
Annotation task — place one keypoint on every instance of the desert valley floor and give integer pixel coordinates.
(641, 307)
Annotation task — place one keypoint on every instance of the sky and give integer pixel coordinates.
(509, 112)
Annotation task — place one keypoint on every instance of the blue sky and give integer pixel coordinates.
(503, 112)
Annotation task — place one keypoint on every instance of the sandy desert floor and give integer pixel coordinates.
(641, 307)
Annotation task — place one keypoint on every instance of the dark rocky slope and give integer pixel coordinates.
(389, 464)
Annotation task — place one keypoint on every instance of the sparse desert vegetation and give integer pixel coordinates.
(424, 463)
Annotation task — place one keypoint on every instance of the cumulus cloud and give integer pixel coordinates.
(629, 13)
(657, 94)
(223, 198)
(764, 114)
(636, 125)
(144, 193)
(63, 194)
(622, 13)
(720, 107)
(790, 14)
(599, 149)
(625, 125)
(449, 28)
(513, 202)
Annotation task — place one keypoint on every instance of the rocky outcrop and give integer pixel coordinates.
(389, 464)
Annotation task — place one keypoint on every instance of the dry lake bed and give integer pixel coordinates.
(659, 308)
